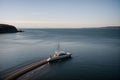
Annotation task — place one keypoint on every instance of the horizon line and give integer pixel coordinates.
(67, 27)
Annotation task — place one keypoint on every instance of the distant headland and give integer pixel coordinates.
(5, 28)
(114, 27)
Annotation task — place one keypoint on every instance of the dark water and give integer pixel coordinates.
(96, 53)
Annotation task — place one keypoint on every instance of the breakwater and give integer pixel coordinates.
(19, 72)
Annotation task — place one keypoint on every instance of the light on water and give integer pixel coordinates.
(95, 53)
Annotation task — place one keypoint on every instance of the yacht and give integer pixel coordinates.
(59, 55)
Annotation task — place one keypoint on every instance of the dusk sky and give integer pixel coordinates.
(60, 13)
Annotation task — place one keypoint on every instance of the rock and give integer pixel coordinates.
(5, 28)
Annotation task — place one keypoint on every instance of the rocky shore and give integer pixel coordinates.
(5, 28)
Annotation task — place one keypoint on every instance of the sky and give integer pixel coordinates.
(60, 13)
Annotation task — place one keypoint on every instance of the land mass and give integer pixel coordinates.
(5, 28)
(112, 27)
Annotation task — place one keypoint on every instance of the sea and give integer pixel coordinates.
(95, 53)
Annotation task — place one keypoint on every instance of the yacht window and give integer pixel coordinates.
(62, 54)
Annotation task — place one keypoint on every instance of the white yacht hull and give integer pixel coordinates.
(59, 58)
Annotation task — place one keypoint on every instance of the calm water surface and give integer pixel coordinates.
(96, 53)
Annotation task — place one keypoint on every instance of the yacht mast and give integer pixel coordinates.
(58, 48)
